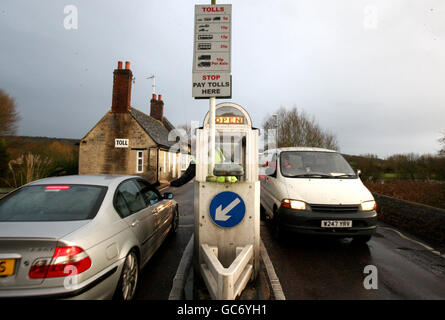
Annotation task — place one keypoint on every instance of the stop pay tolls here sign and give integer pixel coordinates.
(211, 85)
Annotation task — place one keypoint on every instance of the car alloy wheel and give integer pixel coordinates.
(129, 277)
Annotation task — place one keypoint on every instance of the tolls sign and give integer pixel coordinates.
(212, 47)
(212, 51)
(213, 9)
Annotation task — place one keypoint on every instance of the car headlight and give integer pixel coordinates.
(293, 204)
(368, 205)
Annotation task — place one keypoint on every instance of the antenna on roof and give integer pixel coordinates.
(154, 83)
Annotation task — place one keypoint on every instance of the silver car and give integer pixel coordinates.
(82, 237)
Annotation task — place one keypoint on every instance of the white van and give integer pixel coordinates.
(315, 191)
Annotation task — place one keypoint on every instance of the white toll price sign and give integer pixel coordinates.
(212, 51)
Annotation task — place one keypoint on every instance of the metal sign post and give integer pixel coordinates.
(212, 108)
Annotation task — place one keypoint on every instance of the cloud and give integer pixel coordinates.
(379, 89)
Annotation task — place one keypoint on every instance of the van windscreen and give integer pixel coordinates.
(315, 164)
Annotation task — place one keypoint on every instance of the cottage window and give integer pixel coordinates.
(140, 162)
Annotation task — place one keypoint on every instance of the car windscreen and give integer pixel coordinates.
(315, 164)
(52, 203)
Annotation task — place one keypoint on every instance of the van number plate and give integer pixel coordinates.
(336, 223)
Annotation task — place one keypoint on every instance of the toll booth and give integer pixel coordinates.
(227, 202)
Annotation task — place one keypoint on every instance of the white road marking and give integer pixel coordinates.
(177, 290)
(433, 251)
(273, 278)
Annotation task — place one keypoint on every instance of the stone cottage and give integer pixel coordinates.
(128, 141)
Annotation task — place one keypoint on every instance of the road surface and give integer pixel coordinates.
(157, 276)
(313, 268)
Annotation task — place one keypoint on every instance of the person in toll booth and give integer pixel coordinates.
(190, 173)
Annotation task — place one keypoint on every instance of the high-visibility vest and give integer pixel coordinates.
(219, 156)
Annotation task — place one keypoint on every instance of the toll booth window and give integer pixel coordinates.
(230, 155)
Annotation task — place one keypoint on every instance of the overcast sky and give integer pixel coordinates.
(372, 72)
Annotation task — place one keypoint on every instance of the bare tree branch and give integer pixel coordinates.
(297, 128)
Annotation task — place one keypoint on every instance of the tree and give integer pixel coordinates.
(371, 167)
(405, 165)
(9, 117)
(298, 129)
(4, 158)
(442, 142)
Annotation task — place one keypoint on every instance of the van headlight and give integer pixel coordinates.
(368, 205)
(293, 204)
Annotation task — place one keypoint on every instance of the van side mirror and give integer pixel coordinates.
(358, 172)
(271, 169)
(168, 195)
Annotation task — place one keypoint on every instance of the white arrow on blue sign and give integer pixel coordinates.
(227, 209)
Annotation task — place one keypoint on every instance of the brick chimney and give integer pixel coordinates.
(157, 107)
(122, 88)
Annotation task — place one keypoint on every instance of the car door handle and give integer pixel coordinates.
(155, 211)
(134, 223)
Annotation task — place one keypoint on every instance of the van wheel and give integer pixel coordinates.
(277, 231)
(361, 239)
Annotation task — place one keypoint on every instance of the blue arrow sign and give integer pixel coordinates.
(227, 209)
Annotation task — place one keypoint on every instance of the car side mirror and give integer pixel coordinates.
(168, 195)
(358, 172)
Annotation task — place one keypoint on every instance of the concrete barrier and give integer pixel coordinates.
(425, 222)
(226, 283)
